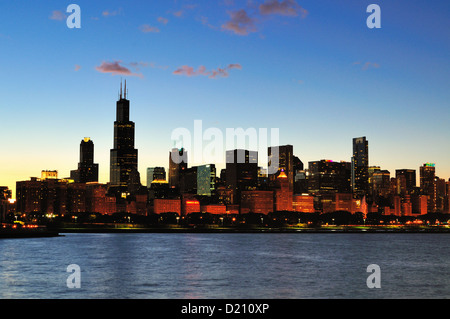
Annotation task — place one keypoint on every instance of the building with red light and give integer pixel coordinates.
(164, 205)
(190, 206)
(214, 209)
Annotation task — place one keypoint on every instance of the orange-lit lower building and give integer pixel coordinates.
(232, 209)
(190, 206)
(345, 202)
(163, 205)
(419, 204)
(214, 209)
(256, 201)
(303, 203)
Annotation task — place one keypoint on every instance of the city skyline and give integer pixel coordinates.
(320, 84)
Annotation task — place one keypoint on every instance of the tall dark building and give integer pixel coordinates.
(177, 166)
(360, 166)
(428, 184)
(406, 181)
(285, 163)
(155, 174)
(241, 171)
(326, 176)
(124, 157)
(87, 170)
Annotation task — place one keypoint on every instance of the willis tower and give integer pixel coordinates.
(123, 168)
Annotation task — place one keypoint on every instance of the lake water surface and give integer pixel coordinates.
(238, 266)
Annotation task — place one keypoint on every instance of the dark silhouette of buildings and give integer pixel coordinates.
(241, 171)
(155, 174)
(177, 166)
(124, 157)
(360, 166)
(428, 185)
(406, 181)
(243, 187)
(87, 170)
(327, 176)
(285, 158)
(5, 195)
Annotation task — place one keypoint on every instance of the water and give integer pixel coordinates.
(239, 266)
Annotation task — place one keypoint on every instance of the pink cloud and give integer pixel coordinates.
(115, 69)
(286, 8)
(185, 70)
(370, 65)
(240, 23)
(77, 67)
(149, 29)
(57, 15)
(163, 20)
(367, 65)
(178, 13)
(107, 13)
(220, 72)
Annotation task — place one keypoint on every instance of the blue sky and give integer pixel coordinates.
(313, 69)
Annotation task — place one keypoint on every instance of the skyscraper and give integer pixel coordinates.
(283, 196)
(327, 176)
(155, 173)
(124, 157)
(177, 166)
(428, 185)
(87, 170)
(285, 163)
(406, 181)
(241, 171)
(360, 166)
(206, 180)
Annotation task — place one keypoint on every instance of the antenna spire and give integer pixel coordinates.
(125, 92)
(120, 88)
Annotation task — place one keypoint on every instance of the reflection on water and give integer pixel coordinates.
(227, 266)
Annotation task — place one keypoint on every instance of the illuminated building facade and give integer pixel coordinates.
(50, 196)
(256, 201)
(303, 203)
(165, 205)
(206, 180)
(49, 175)
(283, 194)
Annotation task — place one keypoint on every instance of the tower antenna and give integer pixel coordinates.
(120, 88)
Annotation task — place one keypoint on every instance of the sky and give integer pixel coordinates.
(312, 69)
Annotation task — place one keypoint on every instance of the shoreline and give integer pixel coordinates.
(236, 230)
(57, 232)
